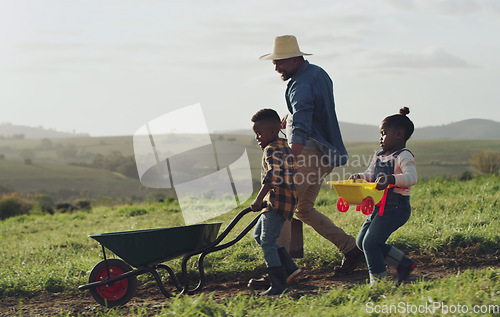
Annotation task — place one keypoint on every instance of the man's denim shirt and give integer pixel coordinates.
(309, 97)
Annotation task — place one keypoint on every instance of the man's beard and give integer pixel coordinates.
(285, 76)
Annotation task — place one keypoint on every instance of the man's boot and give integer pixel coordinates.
(257, 283)
(403, 264)
(277, 275)
(351, 260)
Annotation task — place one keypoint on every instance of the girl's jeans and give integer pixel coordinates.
(376, 230)
(266, 232)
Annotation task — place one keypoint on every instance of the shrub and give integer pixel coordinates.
(83, 204)
(465, 176)
(44, 203)
(64, 207)
(486, 162)
(155, 197)
(132, 211)
(13, 205)
(27, 155)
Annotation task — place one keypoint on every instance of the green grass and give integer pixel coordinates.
(469, 291)
(53, 253)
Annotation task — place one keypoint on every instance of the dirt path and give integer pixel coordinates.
(311, 282)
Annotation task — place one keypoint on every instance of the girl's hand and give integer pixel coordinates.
(283, 121)
(384, 180)
(354, 177)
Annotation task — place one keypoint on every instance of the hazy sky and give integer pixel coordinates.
(108, 67)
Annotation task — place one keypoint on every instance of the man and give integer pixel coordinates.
(314, 135)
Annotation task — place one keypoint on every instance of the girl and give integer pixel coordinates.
(393, 165)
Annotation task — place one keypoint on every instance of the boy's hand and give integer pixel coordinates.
(256, 205)
(384, 180)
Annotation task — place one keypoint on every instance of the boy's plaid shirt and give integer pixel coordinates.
(278, 169)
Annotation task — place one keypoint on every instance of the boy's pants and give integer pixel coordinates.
(266, 232)
(312, 168)
(377, 229)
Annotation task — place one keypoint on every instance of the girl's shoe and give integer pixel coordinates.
(404, 269)
(377, 277)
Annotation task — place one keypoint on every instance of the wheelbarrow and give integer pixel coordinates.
(360, 192)
(112, 282)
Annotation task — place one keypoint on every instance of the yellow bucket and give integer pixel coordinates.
(354, 192)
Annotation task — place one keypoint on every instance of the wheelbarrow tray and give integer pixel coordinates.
(355, 192)
(146, 247)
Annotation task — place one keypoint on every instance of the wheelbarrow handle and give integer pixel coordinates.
(215, 247)
(231, 225)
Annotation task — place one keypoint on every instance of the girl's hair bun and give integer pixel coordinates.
(404, 111)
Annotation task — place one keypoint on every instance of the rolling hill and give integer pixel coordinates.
(471, 129)
(8, 130)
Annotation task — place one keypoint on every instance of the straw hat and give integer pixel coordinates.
(285, 46)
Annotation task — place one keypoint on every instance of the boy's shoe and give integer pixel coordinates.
(265, 281)
(277, 275)
(351, 261)
(291, 269)
(404, 269)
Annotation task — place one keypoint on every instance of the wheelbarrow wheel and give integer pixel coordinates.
(342, 205)
(367, 206)
(118, 293)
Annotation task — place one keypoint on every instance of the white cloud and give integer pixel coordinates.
(429, 59)
(449, 7)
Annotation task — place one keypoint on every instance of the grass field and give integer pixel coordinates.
(52, 254)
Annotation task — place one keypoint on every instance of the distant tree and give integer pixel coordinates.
(18, 136)
(98, 161)
(67, 152)
(128, 167)
(45, 144)
(486, 162)
(116, 162)
(44, 202)
(27, 155)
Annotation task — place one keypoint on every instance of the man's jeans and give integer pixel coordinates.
(311, 171)
(377, 229)
(266, 232)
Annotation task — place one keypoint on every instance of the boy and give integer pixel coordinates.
(279, 191)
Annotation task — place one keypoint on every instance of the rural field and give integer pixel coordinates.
(453, 234)
(103, 168)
